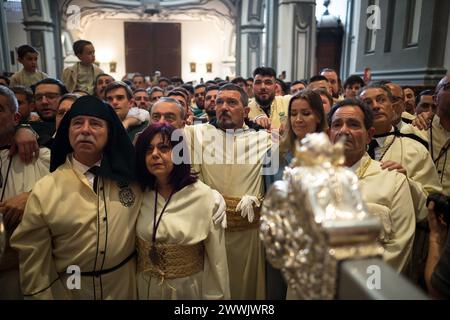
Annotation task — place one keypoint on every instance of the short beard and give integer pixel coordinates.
(51, 119)
(265, 103)
(211, 113)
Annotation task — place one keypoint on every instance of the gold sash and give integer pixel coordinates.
(174, 261)
(235, 222)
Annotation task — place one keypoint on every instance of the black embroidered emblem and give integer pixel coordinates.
(126, 196)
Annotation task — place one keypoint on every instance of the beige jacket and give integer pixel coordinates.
(66, 224)
(70, 76)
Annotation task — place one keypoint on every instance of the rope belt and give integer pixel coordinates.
(235, 222)
(174, 261)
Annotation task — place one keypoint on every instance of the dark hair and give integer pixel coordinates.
(353, 79)
(368, 113)
(303, 82)
(119, 84)
(222, 83)
(325, 92)
(210, 83)
(328, 70)
(239, 80)
(234, 87)
(164, 79)
(318, 77)
(265, 71)
(23, 90)
(138, 75)
(188, 87)
(283, 86)
(139, 90)
(156, 89)
(62, 87)
(199, 86)
(428, 92)
(23, 50)
(180, 93)
(177, 79)
(129, 83)
(68, 96)
(378, 85)
(211, 88)
(102, 75)
(250, 79)
(78, 46)
(181, 175)
(6, 79)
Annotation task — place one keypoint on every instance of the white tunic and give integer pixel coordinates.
(187, 220)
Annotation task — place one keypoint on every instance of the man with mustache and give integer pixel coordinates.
(398, 151)
(386, 192)
(266, 109)
(77, 236)
(229, 158)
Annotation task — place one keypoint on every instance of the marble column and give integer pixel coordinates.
(40, 27)
(250, 37)
(5, 62)
(296, 41)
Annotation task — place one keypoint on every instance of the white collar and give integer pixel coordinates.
(82, 168)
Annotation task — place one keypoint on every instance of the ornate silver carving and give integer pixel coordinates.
(315, 217)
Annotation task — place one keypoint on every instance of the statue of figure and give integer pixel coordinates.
(316, 217)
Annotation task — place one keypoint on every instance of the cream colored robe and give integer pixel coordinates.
(23, 78)
(391, 192)
(441, 138)
(236, 172)
(70, 78)
(421, 172)
(187, 220)
(278, 110)
(21, 178)
(65, 223)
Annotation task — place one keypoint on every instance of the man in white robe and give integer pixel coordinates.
(16, 181)
(386, 192)
(229, 158)
(77, 236)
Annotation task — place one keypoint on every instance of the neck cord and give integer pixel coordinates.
(157, 221)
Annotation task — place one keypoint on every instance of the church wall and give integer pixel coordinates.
(201, 42)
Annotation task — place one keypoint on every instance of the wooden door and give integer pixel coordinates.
(153, 46)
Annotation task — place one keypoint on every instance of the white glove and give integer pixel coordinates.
(220, 216)
(246, 207)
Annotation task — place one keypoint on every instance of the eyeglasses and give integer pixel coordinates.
(47, 95)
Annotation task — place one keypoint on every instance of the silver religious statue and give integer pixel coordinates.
(315, 217)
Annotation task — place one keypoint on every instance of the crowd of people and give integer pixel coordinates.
(138, 189)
